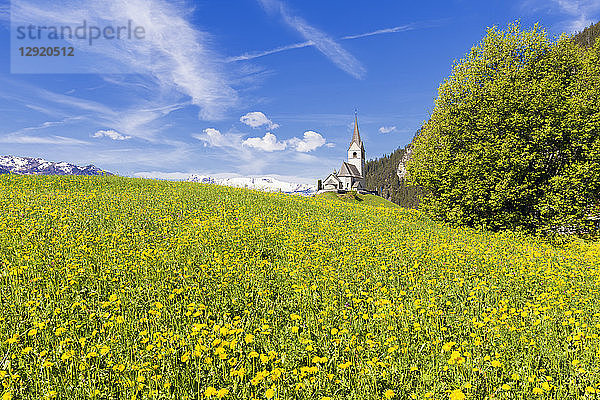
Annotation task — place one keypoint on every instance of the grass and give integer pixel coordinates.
(357, 198)
(116, 288)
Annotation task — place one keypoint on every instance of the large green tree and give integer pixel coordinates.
(514, 138)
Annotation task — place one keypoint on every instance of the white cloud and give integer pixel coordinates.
(311, 141)
(325, 44)
(387, 129)
(267, 143)
(257, 119)
(214, 138)
(110, 133)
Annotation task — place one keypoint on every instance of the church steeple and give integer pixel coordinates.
(356, 151)
(356, 134)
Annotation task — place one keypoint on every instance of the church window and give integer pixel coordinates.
(354, 155)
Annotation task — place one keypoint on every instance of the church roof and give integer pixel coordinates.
(348, 169)
(332, 176)
(356, 135)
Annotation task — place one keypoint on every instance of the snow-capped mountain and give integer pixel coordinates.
(265, 184)
(39, 166)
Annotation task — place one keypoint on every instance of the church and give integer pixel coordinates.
(351, 175)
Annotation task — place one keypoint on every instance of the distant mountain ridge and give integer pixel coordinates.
(39, 166)
(265, 184)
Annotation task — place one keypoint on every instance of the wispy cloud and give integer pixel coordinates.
(401, 28)
(582, 13)
(576, 14)
(257, 54)
(142, 119)
(183, 62)
(299, 45)
(29, 139)
(214, 138)
(323, 42)
(44, 125)
(173, 154)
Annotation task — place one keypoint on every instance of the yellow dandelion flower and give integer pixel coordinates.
(210, 391)
(270, 393)
(457, 394)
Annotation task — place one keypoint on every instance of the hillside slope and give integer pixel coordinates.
(363, 199)
(386, 175)
(588, 36)
(154, 289)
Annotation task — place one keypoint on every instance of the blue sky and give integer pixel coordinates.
(246, 87)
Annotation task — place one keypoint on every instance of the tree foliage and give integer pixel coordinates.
(514, 138)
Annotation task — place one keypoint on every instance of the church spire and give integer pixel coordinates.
(356, 134)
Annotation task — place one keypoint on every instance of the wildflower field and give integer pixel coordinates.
(115, 288)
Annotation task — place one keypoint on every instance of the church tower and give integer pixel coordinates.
(351, 175)
(356, 151)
